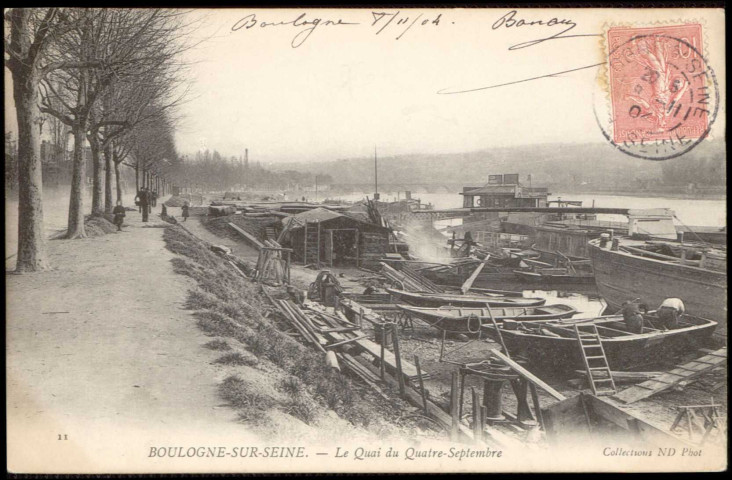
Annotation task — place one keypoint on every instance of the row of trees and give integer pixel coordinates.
(113, 77)
(212, 171)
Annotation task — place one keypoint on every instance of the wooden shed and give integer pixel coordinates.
(329, 238)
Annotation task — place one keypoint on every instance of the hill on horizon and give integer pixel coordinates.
(598, 164)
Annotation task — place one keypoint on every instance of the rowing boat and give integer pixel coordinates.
(425, 299)
(553, 344)
(469, 320)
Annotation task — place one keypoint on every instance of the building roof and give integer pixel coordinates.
(491, 189)
(321, 214)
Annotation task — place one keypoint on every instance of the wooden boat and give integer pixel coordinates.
(424, 299)
(553, 344)
(554, 276)
(469, 320)
(654, 271)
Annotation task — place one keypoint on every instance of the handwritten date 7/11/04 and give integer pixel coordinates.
(382, 21)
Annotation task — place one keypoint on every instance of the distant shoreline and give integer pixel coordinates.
(646, 193)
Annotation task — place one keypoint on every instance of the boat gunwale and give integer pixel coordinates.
(628, 337)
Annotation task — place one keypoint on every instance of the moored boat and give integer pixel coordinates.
(653, 271)
(425, 299)
(554, 276)
(553, 344)
(469, 320)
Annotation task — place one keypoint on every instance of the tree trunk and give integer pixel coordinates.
(108, 200)
(98, 178)
(76, 203)
(118, 180)
(32, 254)
(137, 176)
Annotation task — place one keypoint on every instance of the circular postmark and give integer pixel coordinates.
(660, 96)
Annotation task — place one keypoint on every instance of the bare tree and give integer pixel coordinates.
(31, 31)
(119, 47)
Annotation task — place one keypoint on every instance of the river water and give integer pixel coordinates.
(697, 212)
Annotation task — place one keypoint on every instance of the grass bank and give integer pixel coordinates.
(232, 308)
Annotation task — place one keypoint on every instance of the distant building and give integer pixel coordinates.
(504, 191)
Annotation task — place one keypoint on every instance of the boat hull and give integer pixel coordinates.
(470, 320)
(436, 300)
(621, 276)
(562, 355)
(544, 279)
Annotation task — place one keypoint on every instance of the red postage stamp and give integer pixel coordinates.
(659, 85)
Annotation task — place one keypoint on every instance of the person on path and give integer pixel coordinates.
(185, 211)
(138, 196)
(119, 215)
(669, 311)
(154, 194)
(144, 199)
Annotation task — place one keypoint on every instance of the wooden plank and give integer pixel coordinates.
(678, 374)
(247, 235)
(469, 282)
(528, 375)
(648, 432)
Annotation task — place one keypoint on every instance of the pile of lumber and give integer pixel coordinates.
(411, 280)
(272, 268)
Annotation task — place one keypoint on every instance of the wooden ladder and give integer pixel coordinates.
(596, 366)
(311, 252)
(269, 233)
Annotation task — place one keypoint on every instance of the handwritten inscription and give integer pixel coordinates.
(396, 22)
(307, 27)
(510, 20)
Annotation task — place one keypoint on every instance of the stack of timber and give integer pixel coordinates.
(360, 342)
(409, 279)
(272, 267)
(681, 373)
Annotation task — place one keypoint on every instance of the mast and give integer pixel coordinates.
(376, 174)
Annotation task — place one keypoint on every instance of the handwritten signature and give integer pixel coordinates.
(509, 20)
(251, 21)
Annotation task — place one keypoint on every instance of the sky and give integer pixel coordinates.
(345, 89)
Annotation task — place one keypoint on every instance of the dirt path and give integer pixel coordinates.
(101, 351)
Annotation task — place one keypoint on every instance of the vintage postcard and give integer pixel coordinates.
(365, 240)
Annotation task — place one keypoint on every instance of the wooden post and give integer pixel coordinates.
(421, 384)
(397, 355)
(537, 405)
(477, 422)
(382, 368)
(454, 407)
(360, 318)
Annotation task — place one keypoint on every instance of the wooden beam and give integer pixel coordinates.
(528, 375)
(469, 282)
(247, 235)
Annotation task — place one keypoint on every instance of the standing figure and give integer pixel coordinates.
(154, 198)
(145, 203)
(119, 215)
(669, 311)
(185, 211)
(138, 197)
